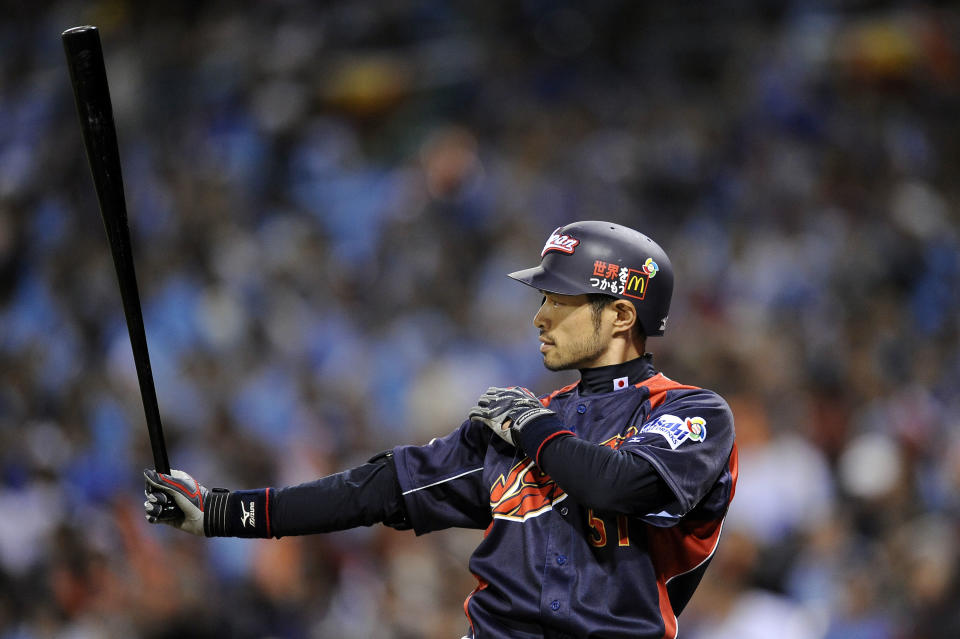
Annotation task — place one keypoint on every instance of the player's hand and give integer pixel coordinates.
(176, 499)
(507, 410)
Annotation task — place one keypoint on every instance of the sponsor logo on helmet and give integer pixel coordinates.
(620, 280)
(560, 242)
(677, 430)
(608, 277)
(638, 280)
(636, 284)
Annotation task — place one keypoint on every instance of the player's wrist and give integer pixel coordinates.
(538, 431)
(528, 415)
(241, 513)
(214, 509)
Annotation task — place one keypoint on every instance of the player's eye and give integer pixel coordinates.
(553, 301)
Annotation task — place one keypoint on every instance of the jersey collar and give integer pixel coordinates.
(604, 379)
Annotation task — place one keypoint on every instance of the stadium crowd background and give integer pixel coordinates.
(324, 200)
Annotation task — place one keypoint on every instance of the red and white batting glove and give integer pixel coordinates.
(180, 501)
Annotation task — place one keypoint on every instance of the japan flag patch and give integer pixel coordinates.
(620, 383)
(677, 430)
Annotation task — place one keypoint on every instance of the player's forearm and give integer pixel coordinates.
(360, 496)
(596, 476)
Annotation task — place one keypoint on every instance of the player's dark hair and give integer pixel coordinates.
(599, 301)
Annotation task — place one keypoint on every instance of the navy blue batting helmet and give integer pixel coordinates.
(603, 257)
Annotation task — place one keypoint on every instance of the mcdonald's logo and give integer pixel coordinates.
(636, 286)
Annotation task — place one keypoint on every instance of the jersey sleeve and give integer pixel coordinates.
(442, 482)
(687, 439)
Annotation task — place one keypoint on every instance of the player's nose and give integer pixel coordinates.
(540, 320)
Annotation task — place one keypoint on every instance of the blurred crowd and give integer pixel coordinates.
(324, 199)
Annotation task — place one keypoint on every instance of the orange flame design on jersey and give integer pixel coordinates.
(616, 441)
(525, 492)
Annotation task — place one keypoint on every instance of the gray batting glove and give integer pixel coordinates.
(176, 499)
(507, 410)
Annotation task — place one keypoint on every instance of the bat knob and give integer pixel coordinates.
(73, 31)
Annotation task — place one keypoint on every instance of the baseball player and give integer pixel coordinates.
(602, 501)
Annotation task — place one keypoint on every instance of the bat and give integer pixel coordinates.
(89, 78)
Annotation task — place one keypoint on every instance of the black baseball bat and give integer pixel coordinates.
(89, 78)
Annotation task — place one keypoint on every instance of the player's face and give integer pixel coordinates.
(569, 336)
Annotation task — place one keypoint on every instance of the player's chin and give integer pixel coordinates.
(554, 363)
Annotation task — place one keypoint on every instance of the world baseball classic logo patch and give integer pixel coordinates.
(677, 430)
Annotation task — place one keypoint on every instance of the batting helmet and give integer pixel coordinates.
(603, 257)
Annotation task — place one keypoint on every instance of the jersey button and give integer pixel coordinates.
(582, 408)
(564, 511)
(555, 605)
(562, 559)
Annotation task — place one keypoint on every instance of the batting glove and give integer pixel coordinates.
(507, 410)
(180, 501)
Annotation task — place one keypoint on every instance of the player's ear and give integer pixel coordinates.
(626, 316)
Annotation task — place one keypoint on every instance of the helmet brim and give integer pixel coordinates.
(541, 280)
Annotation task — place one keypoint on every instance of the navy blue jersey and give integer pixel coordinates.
(551, 567)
